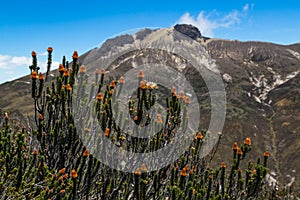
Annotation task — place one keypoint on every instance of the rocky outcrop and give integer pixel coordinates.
(189, 30)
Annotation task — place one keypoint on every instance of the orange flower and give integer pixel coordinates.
(74, 173)
(239, 151)
(199, 136)
(122, 80)
(151, 85)
(141, 74)
(106, 132)
(66, 176)
(60, 179)
(69, 88)
(102, 71)
(75, 55)
(135, 118)
(41, 117)
(62, 191)
(111, 92)
(62, 171)
(223, 165)
(61, 68)
(112, 84)
(99, 96)
(266, 154)
(86, 153)
(143, 85)
(183, 172)
(235, 146)
(159, 120)
(254, 172)
(181, 95)
(173, 91)
(66, 74)
(33, 54)
(137, 172)
(247, 141)
(49, 49)
(34, 75)
(82, 69)
(35, 152)
(144, 168)
(41, 77)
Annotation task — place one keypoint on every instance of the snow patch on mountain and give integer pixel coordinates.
(227, 78)
(294, 53)
(262, 86)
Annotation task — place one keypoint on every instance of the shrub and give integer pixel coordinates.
(61, 166)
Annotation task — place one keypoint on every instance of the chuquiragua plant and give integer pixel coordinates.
(52, 162)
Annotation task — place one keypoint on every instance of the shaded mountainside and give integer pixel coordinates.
(262, 88)
(263, 96)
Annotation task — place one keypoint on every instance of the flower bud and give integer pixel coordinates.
(75, 55)
(61, 68)
(137, 172)
(34, 75)
(223, 165)
(33, 54)
(122, 80)
(74, 174)
(141, 74)
(41, 76)
(66, 73)
(85, 153)
(50, 49)
(266, 154)
(99, 97)
(247, 141)
(235, 146)
(82, 69)
(69, 88)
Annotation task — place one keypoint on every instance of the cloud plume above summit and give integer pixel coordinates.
(208, 23)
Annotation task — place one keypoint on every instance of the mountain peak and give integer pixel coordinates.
(189, 30)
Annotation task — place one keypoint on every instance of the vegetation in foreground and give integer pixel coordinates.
(52, 162)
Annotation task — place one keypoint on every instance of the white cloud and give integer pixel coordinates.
(208, 23)
(246, 8)
(10, 62)
(43, 53)
(18, 61)
(15, 62)
(11, 66)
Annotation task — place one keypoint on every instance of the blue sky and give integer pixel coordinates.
(82, 25)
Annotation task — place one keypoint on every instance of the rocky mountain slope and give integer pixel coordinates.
(261, 81)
